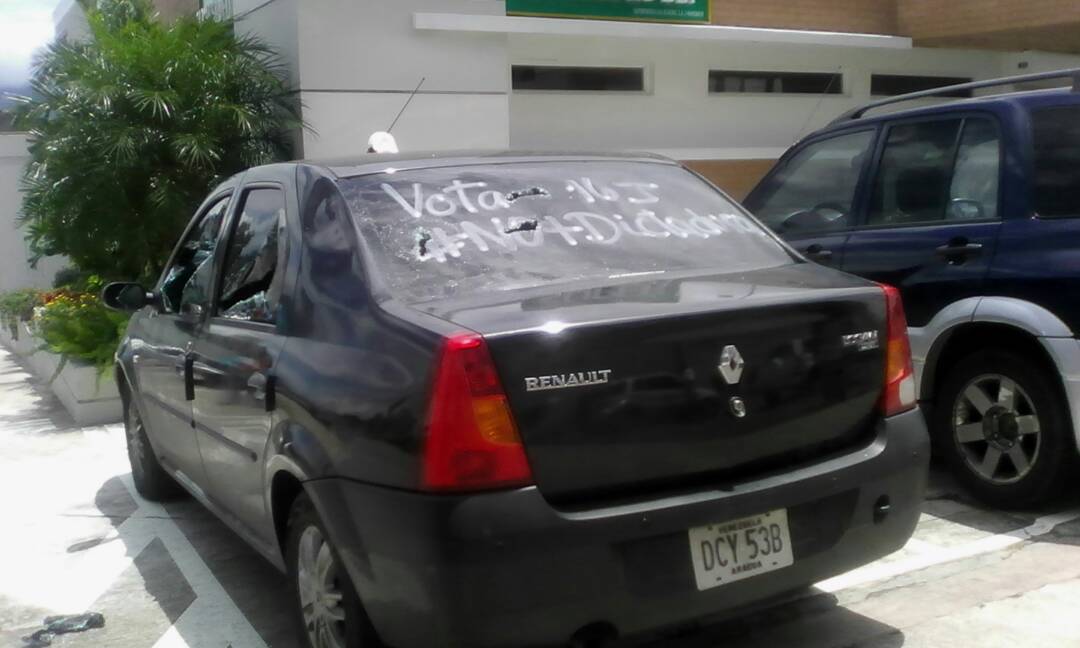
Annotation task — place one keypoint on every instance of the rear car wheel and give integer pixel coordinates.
(151, 480)
(1003, 427)
(328, 610)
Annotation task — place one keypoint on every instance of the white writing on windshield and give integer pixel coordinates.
(609, 213)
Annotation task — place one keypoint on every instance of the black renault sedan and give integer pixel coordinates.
(509, 400)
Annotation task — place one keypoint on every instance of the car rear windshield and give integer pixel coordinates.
(458, 231)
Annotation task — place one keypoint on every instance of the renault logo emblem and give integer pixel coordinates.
(731, 365)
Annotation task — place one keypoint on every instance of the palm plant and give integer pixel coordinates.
(130, 128)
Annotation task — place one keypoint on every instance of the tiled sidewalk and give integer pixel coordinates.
(81, 540)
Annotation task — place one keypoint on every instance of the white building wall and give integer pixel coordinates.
(1014, 63)
(355, 63)
(69, 21)
(15, 270)
(678, 116)
(276, 25)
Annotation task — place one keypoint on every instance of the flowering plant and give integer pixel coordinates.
(79, 326)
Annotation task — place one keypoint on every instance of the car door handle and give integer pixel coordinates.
(262, 389)
(818, 253)
(189, 377)
(958, 250)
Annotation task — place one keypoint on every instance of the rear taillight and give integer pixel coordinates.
(472, 442)
(899, 393)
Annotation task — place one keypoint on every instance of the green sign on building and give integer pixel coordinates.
(675, 11)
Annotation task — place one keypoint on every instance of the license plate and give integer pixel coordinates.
(731, 551)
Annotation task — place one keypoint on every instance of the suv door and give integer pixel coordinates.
(161, 364)
(1038, 257)
(932, 219)
(810, 198)
(234, 358)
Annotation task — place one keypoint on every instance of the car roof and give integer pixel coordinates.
(379, 162)
(1025, 100)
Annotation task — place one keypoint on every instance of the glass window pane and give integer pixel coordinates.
(913, 181)
(815, 189)
(778, 82)
(247, 283)
(595, 79)
(974, 191)
(189, 277)
(756, 84)
(1057, 161)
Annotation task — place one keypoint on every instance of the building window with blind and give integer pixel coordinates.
(732, 81)
(578, 79)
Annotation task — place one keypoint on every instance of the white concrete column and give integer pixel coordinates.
(15, 270)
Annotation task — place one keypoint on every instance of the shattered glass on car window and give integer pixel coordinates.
(445, 232)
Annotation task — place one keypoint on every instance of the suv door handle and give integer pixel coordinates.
(958, 251)
(816, 252)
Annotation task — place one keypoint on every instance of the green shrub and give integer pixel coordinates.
(130, 129)
(80, 327)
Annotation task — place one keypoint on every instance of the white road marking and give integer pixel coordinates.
(213, 619)
(880, 571)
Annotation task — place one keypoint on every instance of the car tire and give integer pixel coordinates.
(1004, 430)
(327, 609)
(151, 480)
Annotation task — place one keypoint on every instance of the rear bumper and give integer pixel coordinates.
(507, 569)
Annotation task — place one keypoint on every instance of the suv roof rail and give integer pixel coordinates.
(856, 113)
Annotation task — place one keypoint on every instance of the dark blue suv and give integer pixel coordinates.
(972, 209)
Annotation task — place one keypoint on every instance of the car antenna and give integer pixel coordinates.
(383, 141)
(407, 102)
(832, 79)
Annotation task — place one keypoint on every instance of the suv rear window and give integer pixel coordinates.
(1056, 132)
(457, 231)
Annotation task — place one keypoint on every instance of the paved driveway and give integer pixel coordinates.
(76, 537)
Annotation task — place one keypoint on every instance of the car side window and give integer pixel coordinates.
(973, 193)
(914, 176)
(1056, 134)
(189, 277)
(815, 191)
(250, 281)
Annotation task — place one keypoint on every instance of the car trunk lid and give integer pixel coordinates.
(636, 386)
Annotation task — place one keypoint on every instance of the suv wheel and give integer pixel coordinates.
(151, 480)
(1004, 429)
(328, 609)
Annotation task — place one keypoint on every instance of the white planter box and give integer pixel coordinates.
(5, 336)
(26, 342)
(90, 398)
(42, 363)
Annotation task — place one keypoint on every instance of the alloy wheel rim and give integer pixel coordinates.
(319, 585)
(997, 429)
